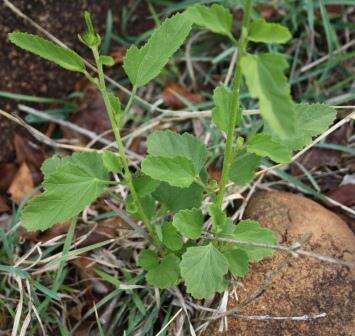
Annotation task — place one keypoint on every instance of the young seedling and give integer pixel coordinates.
(172, 180)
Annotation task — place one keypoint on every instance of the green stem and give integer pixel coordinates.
(120, 145)
(234, 109)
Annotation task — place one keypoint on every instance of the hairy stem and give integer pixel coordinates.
(234, 109)
(120, 145)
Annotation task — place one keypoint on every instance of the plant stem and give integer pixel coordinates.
(234, 108)
(120, 145)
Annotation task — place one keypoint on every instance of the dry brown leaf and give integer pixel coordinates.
(172, 92)
(25, 152)
(316, 158)
(138, 145)
(118, 54)
(54, 231)
(76, 312)
(344, 194)
(3, 205)
(267, 11)
(22, 184)
(214, 173)
(27, 235)
(91, 284)
(7, 174)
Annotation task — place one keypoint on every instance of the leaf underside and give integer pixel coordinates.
(266, 81)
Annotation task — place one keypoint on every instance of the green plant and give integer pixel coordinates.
(173, 178)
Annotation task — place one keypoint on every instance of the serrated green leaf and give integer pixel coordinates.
(176, 199)
(203, 269)
(243, 167)
(148, 259)
(220, 222)
(262, 31)
(311, 120)
(112, 162)
(216, 18)
(222, 97)
(170, 237)
(147, 202)
(263, 145)
(166, 274)
(266, 81)
(149, 206)
(177, 171)
(107, 60)
(238, 261)
(144, 64)
(116, 105)
(189, 223)
(144, 184)
(69, 188)
(50, 165)
(249, 230)
(170, 145)
(50, 51)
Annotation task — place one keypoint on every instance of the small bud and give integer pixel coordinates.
(89, 38)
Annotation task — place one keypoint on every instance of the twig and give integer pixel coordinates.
(282, 318)
(18, 308)
(190, 67)
(294, 249)
(42, 137)
(324, 58)
(61, 122)
(127, 219)
(231, 67)
(91, 135)
(315, 141)
(170, 321)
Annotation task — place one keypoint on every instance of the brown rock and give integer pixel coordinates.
(304, 285)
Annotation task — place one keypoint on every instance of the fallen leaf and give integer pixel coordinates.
(335, 10)
(118, 54)
(107, 229)
(27, 152)
(321, 157)
(27, 235)
(22, 184)
(3, 318)
(138, 145)
(172, 93)
(3, 205)
(86, 269)
(344, 194)
(267, 11)
(214, 173)
(54, 231)
(7, 173)
(76, 311)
